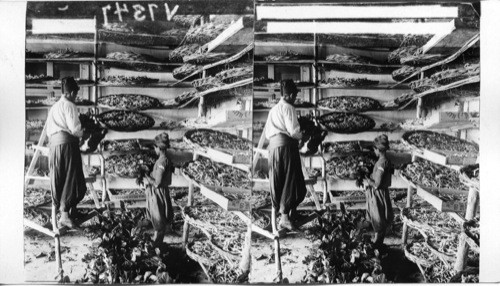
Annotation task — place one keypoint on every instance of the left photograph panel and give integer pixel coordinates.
(138, 141)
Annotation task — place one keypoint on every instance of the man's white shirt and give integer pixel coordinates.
(63, 116)
(282, 118)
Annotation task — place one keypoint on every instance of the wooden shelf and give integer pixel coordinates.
(325, 62)
(173, 64)
(56, 85)
(290, 62)
(296, 108)
(150, 85)
(62, 60)
(42, 107)
(372, 87)
(277, 88)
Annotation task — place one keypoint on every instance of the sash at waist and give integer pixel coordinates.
(280, 140)
(62, 138)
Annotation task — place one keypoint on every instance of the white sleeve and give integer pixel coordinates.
(73, 121)
(291, 123)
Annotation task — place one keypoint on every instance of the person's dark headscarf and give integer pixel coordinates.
(382, 142)
(162, 141)
(288, 87)
(68, 84)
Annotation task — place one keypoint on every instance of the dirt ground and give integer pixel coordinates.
(41, 267)
(295, 247)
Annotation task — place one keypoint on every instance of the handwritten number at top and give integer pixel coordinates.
(139, 12)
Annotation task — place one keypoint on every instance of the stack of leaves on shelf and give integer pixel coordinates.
(174, 33)
(346, 82)
(37, 216)
(79, 81)
(424, 84)
(186, 20)
(184, 70)
(224, 272)
(438, 141)
(36, 196)
(211, 215)
(260, 219)
(202, 251)
(126, 56)
(452, 75)
(130, 165)
(182, 51)
(420, 59)
(260, 199)
(342, 254)
(66, 54)
(171, 124)
(204, 33)
(351, 167)
(50, 101)
(185, 97)
(217, 140)
(430, 220)
(349, 103)
(404, 72)
(204, 58)
(38, 78)
(353, 63)
(431, 175)
(299, 103)
(342, 147)
(123, 120)
(395, 56)
(262, 81)
(212, 173)
(119, 27)
(33, 124)
(121, 145)
(33, 55)
(235, 74)
(470, 175)
(347, 59)
(206, 83)
(127, 80)
(419, 252)
(128, 101)
(287, 55)
(343, 122)
(399, 146)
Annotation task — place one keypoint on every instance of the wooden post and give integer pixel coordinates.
(185, 230)
(463, 247)
(96, 74)
(420, 102)
(277, 255)
(409, 201)
(57, 244)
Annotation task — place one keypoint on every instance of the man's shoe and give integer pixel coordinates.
(75, 214)
(295, 216)
(286, 223)
(67, 221)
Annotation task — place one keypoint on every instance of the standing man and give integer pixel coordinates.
(378, 202)
(64, 129)
(288, 187)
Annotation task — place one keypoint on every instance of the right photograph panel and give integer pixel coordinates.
(366, 142)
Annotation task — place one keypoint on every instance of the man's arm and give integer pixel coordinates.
(72, 120)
